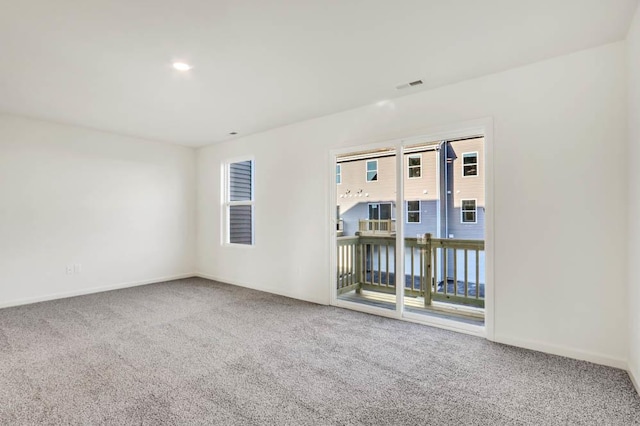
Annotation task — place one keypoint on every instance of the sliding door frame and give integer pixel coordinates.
(479, 127)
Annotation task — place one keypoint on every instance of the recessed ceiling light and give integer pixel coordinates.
(233, 133)
(181, 66)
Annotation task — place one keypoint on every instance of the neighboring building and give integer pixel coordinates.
(444, 194)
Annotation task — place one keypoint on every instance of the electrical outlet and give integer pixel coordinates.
(77, 268)
(69, 269)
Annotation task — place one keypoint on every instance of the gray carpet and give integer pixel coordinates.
(198, 352)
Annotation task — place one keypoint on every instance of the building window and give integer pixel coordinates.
(380, 211)
(372, 170)
(338, 174)
(238, 203)
(469, 211)
(470, 164)
(414, 164)
(413, 211)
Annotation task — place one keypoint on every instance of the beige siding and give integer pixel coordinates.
(470, 187)
(384, 189)
(414, 189)
(355, 188)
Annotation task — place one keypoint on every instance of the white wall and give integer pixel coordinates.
(633, 45)
(121, 207)
(560, 198)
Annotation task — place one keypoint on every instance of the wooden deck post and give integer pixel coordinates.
(359, 267)
(427, 279)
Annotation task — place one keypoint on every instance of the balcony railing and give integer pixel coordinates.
(376, 227)
(442, 270)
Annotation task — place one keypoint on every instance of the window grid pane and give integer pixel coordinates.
(240, 181)
(470, 158)
(385, 211)
(413, 211)
(414, 161)
(240, 224)
(471, 170)
(469, 217)
(413, 217)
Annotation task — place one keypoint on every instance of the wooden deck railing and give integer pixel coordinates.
(372, 226)
(450, 253)
(443, 270)
(378, 263)
(348, 274)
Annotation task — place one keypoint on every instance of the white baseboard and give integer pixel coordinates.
(527, 344)
(82, 292)
(635, 379)
(564, 351)
(279, 292)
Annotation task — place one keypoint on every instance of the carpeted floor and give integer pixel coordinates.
(198, 352)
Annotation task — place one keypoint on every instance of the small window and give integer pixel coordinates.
(469, 211)
(338, 174)
(372, 170)
(413, 211)
(239, 202)
(414, 164)
(470, 164)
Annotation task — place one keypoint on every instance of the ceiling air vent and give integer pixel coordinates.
(410, 84)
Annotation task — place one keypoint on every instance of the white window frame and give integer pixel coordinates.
(477, 164)
(419, 211)
(338, 174)
(409, 167)
(227, 203)
(475, 203)
(366, 171)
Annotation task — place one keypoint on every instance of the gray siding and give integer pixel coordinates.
(466, 231)
(352, 216)
(428, 220)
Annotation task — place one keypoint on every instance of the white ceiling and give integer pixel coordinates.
(259, 64)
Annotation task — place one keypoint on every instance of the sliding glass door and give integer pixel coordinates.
(410, 229)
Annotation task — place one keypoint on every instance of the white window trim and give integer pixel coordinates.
(366, 171)
(475, 200)
(477, 163)
(413, 167)
(419, 211)
(339, 174)
(227, 203)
